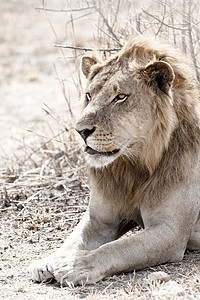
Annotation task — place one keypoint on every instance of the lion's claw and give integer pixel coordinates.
(41, 271)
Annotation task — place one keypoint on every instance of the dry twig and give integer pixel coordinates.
(64, 10)
(87, 49)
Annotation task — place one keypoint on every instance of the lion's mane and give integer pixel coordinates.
(169, 156)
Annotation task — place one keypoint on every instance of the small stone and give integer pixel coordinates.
(59, 187)
(158, 276)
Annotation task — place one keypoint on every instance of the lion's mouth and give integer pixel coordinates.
(91, 151)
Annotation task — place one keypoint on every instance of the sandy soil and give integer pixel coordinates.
(44, 192)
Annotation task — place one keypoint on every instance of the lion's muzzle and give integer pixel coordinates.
(84, 133)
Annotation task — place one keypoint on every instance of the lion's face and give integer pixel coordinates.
(118, 116)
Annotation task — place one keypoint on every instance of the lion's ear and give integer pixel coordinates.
(159, 76)
(87, 63)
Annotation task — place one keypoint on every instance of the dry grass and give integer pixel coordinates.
(38, 207)
(44, 188)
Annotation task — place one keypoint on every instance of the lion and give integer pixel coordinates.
(141, 128)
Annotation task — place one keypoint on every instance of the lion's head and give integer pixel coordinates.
(134, 101)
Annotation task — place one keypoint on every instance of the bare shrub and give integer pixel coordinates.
(112, 22)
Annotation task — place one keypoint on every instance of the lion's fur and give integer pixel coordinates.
(172, 148)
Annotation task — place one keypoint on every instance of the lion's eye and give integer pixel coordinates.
(120, 98)
(87, 97)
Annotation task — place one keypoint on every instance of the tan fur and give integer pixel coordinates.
(182, 119)
(141, 126)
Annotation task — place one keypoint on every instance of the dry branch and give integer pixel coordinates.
(64, 10)
(108, 26)
(161, 21)
(86, 49)
(191, 43)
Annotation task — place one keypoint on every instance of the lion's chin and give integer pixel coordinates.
(99, 161)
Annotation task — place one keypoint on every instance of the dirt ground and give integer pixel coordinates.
(43, 179)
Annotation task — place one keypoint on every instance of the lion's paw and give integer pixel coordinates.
(41, 270)
(78, 270)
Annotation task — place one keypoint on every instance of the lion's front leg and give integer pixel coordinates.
(148, 248)
(145, 249)
(92, 231)
(164, 239)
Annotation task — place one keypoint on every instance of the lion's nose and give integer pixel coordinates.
(85, 132)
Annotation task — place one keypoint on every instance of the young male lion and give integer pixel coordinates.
(141, 127)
